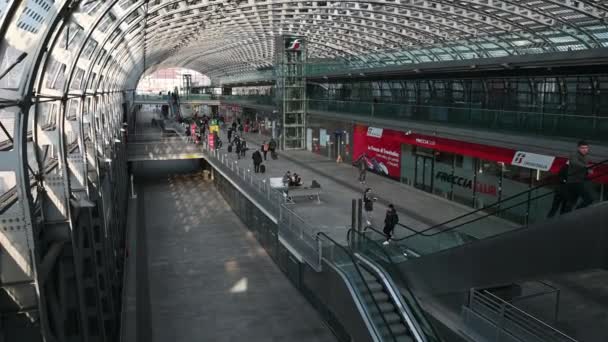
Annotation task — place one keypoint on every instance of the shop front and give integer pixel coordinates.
(472, 174)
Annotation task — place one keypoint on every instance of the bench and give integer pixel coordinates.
(299, 191)
(294, 191)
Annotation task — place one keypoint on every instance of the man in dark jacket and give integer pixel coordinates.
(560, 199)
(390, 221)
(577, 177)
(237, 147)
(257, 160)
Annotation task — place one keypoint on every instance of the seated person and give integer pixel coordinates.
(287, 178)
(295, 180)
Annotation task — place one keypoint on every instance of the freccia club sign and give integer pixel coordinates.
(467, 183)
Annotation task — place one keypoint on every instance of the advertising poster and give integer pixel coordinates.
(381, 147)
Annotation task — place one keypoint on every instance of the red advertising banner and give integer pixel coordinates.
(381, 147)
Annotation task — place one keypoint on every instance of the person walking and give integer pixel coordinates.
(390, 221)
(257, 160)
(368, 206)
(264, 149)
(577, 177)
(272, 146)
(560, 199)
(243, 147)
(362, 168)
(229, 134)
(237, 147)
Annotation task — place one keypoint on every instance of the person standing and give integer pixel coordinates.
(362, 168)
(390, 221)
(257, 160)
(577, 177)
(560, 199)
(264, 148)
(368, 206)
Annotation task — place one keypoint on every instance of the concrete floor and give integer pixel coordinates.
(208, 278)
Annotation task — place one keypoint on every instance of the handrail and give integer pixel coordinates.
(526, 315)
(422, 232)
(412, 301)
(452, 107)
(352, 257)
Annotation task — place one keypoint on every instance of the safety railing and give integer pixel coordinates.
(565, 124)
(481, 223)
(509, 322)
(254, 99)
(142, 97)
(537, 123)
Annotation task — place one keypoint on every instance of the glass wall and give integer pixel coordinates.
(479, 183)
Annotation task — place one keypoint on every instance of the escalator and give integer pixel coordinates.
(476, 246)
(387, 315)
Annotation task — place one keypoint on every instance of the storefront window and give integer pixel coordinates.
(408, 164)
(444, 168)
(464, 174)
(487, 182)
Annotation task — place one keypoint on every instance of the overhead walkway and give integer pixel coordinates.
(194, 99)
(509, 129)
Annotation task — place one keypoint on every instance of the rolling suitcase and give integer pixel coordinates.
(262, 168)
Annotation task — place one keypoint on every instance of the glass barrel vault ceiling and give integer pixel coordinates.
(122, 39)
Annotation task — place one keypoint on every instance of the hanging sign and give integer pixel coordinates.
(533, 160)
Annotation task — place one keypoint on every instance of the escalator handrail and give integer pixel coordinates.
(423, 232)
(322, 235)
(392, 263)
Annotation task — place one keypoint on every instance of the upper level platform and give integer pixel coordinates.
(551, 134)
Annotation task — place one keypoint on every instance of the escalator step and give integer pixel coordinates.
(399, 331)
(379, 296)
(391, 318)
(373, 286)
(385, 308)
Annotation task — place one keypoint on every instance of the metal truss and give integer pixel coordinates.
(67, 71)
